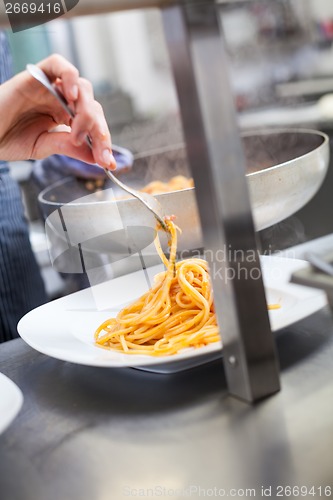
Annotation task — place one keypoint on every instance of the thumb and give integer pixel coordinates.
(49, 143)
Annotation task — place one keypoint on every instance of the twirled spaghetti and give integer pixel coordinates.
(178, 312)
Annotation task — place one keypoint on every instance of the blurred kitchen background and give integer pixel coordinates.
(281, 67)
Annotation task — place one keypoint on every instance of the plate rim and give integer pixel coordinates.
(86, 355)
(15, 398)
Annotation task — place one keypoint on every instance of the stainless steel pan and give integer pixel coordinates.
(285, 168)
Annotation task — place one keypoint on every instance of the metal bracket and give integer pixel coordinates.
(199, 61)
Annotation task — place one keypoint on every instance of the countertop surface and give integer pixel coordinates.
(96, 433)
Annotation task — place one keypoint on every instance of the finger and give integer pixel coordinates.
(59, 115)
(49, 143)
(93, 124)
(57, 66)
(90, 120)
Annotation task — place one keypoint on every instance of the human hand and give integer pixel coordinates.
(30, 116)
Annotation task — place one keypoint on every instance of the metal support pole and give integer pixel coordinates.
(217, 162)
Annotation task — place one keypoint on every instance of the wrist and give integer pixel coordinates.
(12, 103)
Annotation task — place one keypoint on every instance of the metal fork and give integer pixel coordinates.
(148, 200)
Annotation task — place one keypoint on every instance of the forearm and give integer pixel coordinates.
(12, 108)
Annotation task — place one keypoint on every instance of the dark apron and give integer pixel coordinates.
(21, 284)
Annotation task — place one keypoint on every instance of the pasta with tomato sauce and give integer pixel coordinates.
(176, 313)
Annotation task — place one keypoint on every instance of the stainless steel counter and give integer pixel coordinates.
(89, 433)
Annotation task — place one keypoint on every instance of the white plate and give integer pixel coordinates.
(64, 328)
(10, 401)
